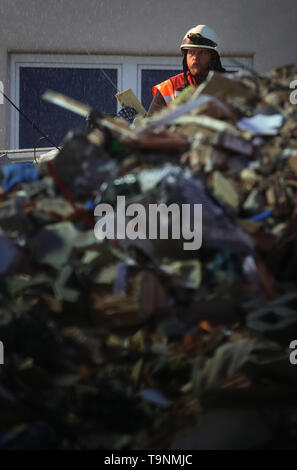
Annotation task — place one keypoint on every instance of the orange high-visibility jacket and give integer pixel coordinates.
(171, 88)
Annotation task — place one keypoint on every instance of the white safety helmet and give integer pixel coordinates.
(200, 36)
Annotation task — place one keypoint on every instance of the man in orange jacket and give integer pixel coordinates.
(199, 49)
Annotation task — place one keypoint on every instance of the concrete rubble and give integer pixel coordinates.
(140, 344)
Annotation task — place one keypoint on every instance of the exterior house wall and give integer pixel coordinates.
(263, 29)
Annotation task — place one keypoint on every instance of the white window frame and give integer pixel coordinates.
(129, 73)
(246, 60)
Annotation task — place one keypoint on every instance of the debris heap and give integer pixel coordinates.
(141, 344)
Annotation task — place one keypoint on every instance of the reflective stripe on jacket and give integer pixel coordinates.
(171, 88)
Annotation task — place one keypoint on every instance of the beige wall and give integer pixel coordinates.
(264, 28)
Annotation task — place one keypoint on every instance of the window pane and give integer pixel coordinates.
(89, 86)
(150, 78)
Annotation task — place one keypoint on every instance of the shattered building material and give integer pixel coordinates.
(140, 344)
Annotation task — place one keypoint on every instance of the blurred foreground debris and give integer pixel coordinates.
(140, 344)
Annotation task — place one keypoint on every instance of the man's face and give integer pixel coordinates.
(198, 60)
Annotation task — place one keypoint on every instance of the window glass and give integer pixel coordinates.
(150, 78)
(91, 79)
(89, 86)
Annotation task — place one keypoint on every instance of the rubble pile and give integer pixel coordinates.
(141, 344)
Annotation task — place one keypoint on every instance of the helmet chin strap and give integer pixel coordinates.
(216, 64)
(185, 69)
